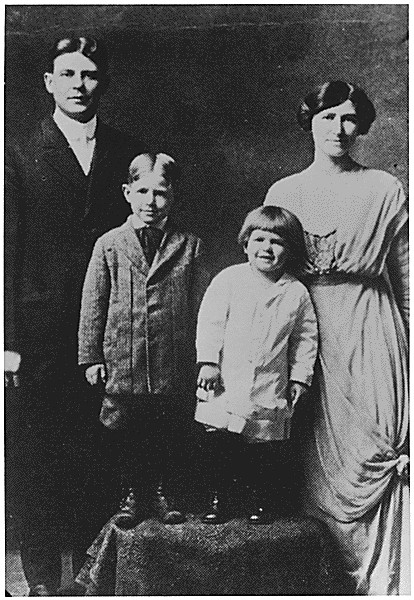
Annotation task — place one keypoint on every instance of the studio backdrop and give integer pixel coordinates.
(217, 87)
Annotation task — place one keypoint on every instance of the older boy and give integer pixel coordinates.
(140, 301)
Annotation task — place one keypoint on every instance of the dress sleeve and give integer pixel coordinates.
(397, 268)
(212, 320)
(303, 343)
(277, 195)
(94, 308)
(269, 197)
(286, 193)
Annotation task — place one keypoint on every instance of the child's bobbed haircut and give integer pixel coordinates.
(283, 223)
(162, 164)
(334, 93)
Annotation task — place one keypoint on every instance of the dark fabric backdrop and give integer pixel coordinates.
(217, 87)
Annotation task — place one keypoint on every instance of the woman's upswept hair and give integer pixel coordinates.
(283, 223)
(149, 162)
(93, 49)
(333, 93)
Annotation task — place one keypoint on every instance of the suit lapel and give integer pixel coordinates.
(131, 247)
(99, 167)
(170, 245)
(59, 156)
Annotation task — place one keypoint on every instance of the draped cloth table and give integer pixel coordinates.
(292, 556)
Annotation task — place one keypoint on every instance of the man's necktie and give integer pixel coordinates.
(150, 238)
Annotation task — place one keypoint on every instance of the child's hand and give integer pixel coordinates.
(95, 374)
(295, 392)
(209, 377)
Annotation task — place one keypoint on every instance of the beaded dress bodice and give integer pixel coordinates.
(321, 252)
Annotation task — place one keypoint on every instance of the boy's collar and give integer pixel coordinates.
(138, 223)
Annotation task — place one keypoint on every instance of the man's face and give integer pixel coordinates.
(74, 85)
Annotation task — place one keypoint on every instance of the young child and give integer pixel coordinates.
(140, 301)
(257, 345)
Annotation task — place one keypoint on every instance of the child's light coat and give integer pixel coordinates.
(262, 337)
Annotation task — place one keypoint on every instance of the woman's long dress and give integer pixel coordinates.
(356, 235)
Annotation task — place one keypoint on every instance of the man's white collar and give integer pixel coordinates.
(73, 130)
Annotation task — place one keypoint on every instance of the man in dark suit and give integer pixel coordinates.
(63, 190)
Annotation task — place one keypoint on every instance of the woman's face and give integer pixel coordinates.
(335, 129)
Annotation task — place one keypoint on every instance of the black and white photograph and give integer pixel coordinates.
(206, 300)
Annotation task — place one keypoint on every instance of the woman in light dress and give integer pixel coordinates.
(355, 222)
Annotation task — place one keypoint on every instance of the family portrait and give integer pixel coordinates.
(206, 309)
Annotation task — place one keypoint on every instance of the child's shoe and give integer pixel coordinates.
(259, 512)
(168, 510)
(261, 516)
(132, 512)
(218, 511)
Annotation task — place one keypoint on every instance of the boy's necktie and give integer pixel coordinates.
(150, 238)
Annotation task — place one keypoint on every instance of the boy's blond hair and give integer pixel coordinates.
(149, 162)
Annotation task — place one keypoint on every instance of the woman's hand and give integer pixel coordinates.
(96, 374)
(295, 392)
(209, 377)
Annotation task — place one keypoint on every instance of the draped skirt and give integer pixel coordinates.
(357, 460)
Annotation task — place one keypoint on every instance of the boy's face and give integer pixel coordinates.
(266, 251)
(150, 198)
(74, 85)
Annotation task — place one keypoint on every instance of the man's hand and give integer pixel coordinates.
(295, 392)
(12, 362)
(209, 377)
(96, 374)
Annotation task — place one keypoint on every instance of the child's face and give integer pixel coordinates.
(150, 198)
(266, 251)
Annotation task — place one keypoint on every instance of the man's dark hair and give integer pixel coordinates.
(90, 47)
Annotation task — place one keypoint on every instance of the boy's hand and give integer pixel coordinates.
(95, 374)
(209, 377)
(295, 392)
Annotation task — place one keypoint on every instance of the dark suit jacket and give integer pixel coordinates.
(53, 216)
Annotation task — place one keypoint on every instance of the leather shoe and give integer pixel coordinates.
(40, 589)
(217, 513)
(260, 515)
(167, 509)
(73, 589)
(131, 511)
